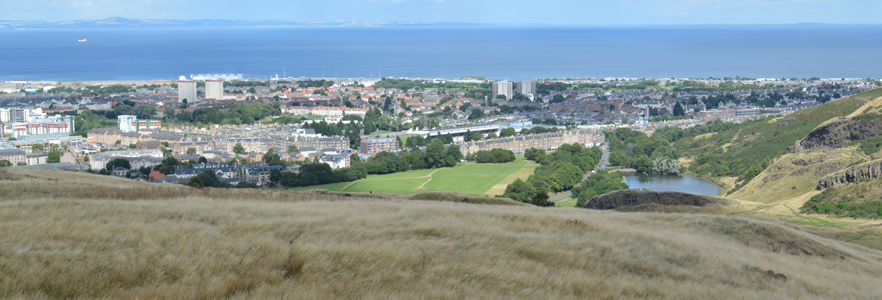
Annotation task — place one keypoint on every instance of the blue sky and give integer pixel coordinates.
(554, 12)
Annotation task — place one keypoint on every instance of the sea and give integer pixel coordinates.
(494, 52)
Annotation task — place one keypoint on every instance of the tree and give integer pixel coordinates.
(5, 163)
(476, 114)
(238, 149)
(558, 98)
(678, 110)
(118, 162)
(203, 160)
(292, 149)
(435, 156)
(541, 199)
(415, 142)
(191, 150)
(272, 158)
(196, 182)
(184, 104)
(455, 152)
(144, 111)
(519, 190)
(275, 176)
(169, 113)
(508, 132)
(54, 157)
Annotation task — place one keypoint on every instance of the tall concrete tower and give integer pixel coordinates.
(527, 87)
(502, 88)
(186, 90)
(214, 89)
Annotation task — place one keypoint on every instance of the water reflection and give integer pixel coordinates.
(654, 182)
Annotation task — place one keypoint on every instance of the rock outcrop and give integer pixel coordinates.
(616, 199)
(841, 132)
(870, 170)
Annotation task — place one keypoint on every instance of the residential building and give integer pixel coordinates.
(13, 115)
(199, 146)
(377, 145)
(502, 88)
(527, 87)
(135, 157)
(187, 90)
(109, 136)
(15, 156)
(36, 159)
(130, 123)
(223, 171)
(43, 126)
(336, 161)
(257, 174)
(214, 89)
(127, 123)
(120, 172)
(545, 141)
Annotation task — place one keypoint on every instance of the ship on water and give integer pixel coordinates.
(81, 41)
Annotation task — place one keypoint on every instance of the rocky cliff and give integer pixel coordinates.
(841, 132)
(870, 170)
(616, 199)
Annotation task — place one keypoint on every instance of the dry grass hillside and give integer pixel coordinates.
(69, 235)
(795, 174)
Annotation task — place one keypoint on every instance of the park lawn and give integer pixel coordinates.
(400, 175)
(469, 178)
(566, 202)
(401, 186)
(472, 178)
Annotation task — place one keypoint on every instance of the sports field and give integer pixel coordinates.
(472, 178)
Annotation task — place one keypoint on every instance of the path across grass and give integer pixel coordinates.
(472, 178)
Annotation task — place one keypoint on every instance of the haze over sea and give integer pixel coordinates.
(758, 51)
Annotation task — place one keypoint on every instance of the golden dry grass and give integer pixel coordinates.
(785, 178)
(522, 174)
(58, 243)
(874, 106)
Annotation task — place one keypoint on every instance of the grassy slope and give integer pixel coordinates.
(767, 139)
(786, 179)
(157, 241)
(469, 178)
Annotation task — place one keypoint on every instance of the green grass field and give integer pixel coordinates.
(468, 177)
(566, 202)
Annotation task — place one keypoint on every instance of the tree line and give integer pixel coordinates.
(559, 171)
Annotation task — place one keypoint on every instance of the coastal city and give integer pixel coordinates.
(242, 129)
(440, 149)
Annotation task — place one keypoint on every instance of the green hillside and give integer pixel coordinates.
(745, 150)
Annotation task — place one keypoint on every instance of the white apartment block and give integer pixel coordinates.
(46, 125)
(214, 89)
(130, 123)
(527, 87)
(187, 90)
(502, 88)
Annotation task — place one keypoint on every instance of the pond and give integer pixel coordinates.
(655, 182)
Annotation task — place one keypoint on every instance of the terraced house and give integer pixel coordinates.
(109, 136)
(544, 141)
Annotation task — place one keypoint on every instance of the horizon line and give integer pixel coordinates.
(357, 22)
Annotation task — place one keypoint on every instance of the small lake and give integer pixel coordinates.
(655, 182)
